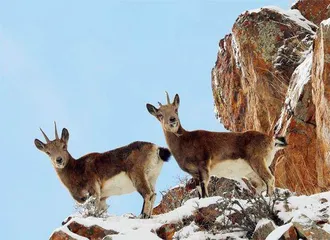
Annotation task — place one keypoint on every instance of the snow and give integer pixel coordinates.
(305, 205)
(278, 232)
(135, 234)
(326, 22)
(236, 51)
(292, 14)
(294, 2)
(191, 232)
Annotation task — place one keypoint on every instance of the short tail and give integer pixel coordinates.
(164, 154)
(280, 142)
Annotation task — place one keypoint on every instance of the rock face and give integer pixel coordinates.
(321, 98)
(268, 77)
(254, 65)
(313, 10)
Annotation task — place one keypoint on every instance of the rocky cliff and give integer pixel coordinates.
(271, 75)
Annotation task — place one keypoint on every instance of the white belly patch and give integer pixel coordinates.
(117, 185)
(233, 169)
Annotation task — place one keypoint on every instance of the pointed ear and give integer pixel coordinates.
(176, 100)
(40, 145)
(151, 109)
(65, 135)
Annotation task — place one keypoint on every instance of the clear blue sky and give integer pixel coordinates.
(92, 67)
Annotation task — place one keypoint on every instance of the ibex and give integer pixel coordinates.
(224, 154)
(134, 167)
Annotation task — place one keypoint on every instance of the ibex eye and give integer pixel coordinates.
(176, 111)
(64, 147)
(48, 153)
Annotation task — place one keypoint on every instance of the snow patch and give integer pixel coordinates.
(278, 232)
(326, 22)
(135, 234)
(236, 51)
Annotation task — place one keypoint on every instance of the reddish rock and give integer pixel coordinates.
(291, 234)
(308, 229)
(321, 98)
(314, 10)
(166, 231)
(93, 232)
(175, 197)
(206, 216)
(60, 236)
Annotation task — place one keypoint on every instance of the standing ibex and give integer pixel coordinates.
(223, 154)
(100, 175)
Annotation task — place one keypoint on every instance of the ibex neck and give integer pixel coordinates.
(68, 171)
(173, 139)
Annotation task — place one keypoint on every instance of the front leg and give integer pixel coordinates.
(99, 202)
(198, 186)
(204, 178)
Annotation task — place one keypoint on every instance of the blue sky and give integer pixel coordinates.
(92, 67)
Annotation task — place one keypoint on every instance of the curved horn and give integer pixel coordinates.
(56, 134)
(47, 139)
(160, 104)
(167, 98)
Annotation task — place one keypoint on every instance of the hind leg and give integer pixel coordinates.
(259, 166)
(256, 183)
(148, 194)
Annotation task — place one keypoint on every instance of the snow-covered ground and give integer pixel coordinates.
(315, 207)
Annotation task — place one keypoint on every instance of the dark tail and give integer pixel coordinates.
(164, 154)
(280, 142)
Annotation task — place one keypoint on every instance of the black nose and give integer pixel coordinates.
(59, 160)
(172, 119)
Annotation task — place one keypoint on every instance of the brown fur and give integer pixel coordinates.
(88, 175)
(199, 152)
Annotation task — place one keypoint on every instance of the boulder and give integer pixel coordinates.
(263, 229)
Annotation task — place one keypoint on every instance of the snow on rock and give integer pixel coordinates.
(313, 207)
(300, 77)
(127, 227)
(326, 22)
(293, 14)
(303, 210)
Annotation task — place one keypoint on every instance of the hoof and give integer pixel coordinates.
(144, 216)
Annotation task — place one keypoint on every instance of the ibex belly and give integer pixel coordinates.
(233, 169)
(117, 185)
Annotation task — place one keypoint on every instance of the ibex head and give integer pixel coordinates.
(167, 114)
(56, 149)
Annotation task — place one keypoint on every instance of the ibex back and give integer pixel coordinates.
(134, 167)
(223, 154)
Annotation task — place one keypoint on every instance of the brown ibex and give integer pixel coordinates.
(224, 154)
(134, 167)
